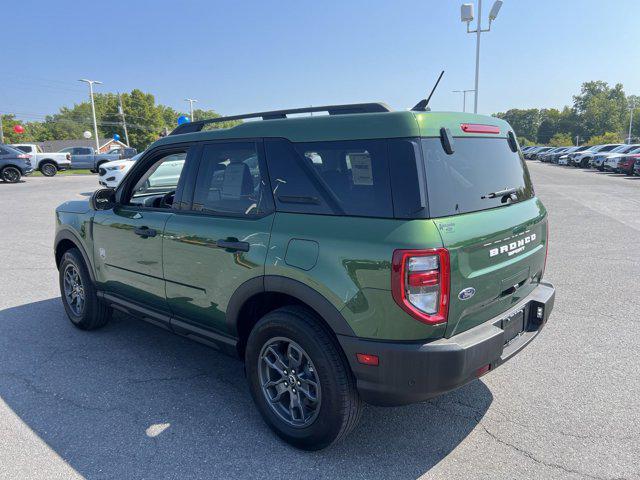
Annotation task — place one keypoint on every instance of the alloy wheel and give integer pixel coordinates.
(49, 170)
(10, 174)
(74, 290)
(289, 382)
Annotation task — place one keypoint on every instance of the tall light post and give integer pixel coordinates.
(631, 107)
(191, 102)
(466, 15)
(93, 109)
(464, 97)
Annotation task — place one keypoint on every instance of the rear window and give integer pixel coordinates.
(463, 181)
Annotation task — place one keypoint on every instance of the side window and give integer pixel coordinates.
(295, 188)
(230, 181)
(156, 186)
(346, 177)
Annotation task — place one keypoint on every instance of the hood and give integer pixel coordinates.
(116, 163)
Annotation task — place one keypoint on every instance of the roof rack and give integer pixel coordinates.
(275, 114)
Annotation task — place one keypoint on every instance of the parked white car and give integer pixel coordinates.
(110, 174)
(48, 163)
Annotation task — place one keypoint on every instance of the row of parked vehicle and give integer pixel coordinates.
(612, 157)
(21, 159)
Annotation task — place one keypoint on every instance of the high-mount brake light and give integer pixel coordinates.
(479, 128)
(420, 283)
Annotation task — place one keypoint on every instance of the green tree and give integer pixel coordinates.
(601, 108)
(561, 140)
(608, 137)
(525, 123)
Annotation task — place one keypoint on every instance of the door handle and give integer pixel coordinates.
(233, 245)
(145, 232)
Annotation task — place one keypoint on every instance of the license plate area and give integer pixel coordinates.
(513, 325)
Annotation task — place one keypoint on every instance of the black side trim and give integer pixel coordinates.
(136, 310)
(71, 236)
(220, 342)
(278, 284)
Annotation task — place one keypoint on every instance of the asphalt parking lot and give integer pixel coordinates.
(134, 401)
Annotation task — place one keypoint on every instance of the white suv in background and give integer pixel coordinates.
(111, 173)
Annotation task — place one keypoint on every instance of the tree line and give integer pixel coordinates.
(599, 114)
(146, 120)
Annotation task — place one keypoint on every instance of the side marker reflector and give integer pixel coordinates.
(367, 359)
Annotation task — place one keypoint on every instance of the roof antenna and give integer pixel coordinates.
(421, 106)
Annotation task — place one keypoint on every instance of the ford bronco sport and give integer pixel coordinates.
(363, 255)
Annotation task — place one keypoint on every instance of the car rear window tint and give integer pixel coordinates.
(457, 183)
(343, 177)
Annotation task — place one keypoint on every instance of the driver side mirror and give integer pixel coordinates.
(103, 199)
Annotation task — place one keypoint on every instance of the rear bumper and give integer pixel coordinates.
(410, 372)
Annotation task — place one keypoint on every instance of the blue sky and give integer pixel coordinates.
(239, 56)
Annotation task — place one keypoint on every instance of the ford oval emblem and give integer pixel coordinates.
(467, 293)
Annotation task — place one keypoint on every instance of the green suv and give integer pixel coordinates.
(364, 255)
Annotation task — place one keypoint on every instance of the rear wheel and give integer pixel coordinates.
(300, 380)
(10, 174)
(85, 310)
(48, 169)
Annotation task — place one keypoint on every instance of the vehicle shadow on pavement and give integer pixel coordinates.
(132, 400)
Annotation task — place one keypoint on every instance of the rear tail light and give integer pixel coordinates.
(24, 155)
(420, 283)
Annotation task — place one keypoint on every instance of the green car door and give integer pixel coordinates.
(128, 238)
(220, 241)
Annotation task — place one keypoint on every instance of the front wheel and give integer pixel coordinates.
(79, 297)
(48, 169)
(300, 380)
(10, 174)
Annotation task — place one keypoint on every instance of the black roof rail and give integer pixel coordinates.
(275, 114)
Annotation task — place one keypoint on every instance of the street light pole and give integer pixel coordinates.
(124, 121)
(464, 97)
(93, 109)
(191, 102)
(630, 122)
(466, 15)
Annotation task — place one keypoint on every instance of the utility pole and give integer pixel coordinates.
(630, 122)
(464, 97)
(1, 131)
(93, 109)
(191, 102)
(124, 121)
(466, 15)
(577, 140)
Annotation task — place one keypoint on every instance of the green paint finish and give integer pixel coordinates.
(353, 270)
(302, 254)
(470, 239)
(200, 277)
(127, 264)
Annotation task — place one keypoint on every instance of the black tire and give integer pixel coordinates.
(339, 403)
(10, 174)
(94, 313)
(48, 169)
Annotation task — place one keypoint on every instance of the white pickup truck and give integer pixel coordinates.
(47, 163)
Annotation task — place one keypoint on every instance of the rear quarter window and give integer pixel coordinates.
(341, 178)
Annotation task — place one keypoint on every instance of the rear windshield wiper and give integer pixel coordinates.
(507, 192)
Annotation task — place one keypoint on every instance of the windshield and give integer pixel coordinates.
(464, 181)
